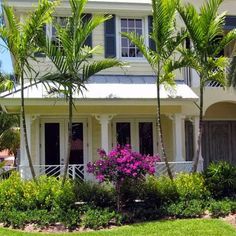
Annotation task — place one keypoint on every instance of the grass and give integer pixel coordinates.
(194, 227)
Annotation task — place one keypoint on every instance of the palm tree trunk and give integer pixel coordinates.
(67, 161)
(159, 126)
(199, 140)
(25, 130)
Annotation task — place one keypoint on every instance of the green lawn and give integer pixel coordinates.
(161, 228)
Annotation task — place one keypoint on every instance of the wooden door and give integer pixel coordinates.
(219, 141)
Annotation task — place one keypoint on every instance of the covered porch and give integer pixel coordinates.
(111, 111)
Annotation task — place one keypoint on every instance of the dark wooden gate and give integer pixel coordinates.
(219, 141)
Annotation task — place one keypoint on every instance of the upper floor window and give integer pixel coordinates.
(127, 48)
(120, 47)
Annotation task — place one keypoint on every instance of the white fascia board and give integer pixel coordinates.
(108, 6)
(113, 91)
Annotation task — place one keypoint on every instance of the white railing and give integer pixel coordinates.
(74, 171)
(78, 171)
(176, 167)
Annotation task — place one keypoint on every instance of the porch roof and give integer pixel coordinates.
(113, 87)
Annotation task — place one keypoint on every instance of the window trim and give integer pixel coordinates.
(118, 37)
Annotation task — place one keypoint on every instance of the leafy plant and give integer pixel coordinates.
(98, 218)
(190, 209)
(159, 190)
(160, 56)
(94, 194)
(19, 36)
(205, 29)
(221, 179)
(191, 186)
(73, 59)
(122, 164)
(220, 208)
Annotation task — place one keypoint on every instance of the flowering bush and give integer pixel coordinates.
(122, 163)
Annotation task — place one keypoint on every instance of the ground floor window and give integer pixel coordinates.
(139, 134)
(123, 133)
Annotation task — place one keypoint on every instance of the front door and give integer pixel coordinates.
(52, 143)
(52, 148)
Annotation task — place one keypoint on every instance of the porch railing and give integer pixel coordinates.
(176, 167)
(74, 171)
(79, 171)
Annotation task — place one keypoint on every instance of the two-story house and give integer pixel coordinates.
(119, 105)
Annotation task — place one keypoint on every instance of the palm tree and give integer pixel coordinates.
(161, 59)
(19, 38)
(6, 82)
(72, 59)
(205, 29)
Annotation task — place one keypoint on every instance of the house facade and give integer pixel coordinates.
(119, 105)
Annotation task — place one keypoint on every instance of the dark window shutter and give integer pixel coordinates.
(110, 37)
(88, 41)
(230, 23)
(151, 42)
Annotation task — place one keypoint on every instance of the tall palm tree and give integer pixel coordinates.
(208, 39)
(19, 37)
(72, 60)
(161, 59)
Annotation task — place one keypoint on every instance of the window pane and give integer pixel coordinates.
(123, 29)
(124, 42)
(123, 133)
(132, 52)
(124, 23)
(124, 52)
(146, 138)
(139, 31)
(138, 23)
(131, 23)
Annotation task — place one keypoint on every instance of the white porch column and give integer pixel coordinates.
(178, 137)
(196, 132)
(24, 164)
(104, 122)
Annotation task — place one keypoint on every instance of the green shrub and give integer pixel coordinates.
(98, 218)
(159, 190)
(98, 195)
(221, 179)
(18, 219)
(220, 208)
(182, 209)
(70, 218)
(131, 190)
(233, 206)
(12, 192)
(191, 186)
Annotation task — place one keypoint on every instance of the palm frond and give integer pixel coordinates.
(191, 20)
(138, 41)
(227, 39)
(164, 13)
(97, 66)
(231, 75)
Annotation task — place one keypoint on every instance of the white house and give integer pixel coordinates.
(119, 105)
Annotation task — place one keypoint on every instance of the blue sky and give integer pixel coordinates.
(5, 57)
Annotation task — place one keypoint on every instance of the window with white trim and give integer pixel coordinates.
(127, 48)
